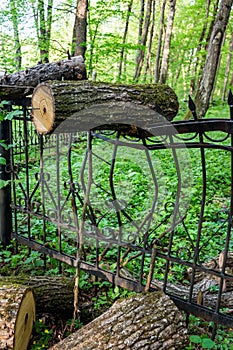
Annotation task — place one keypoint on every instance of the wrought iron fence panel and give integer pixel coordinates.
(152, 211)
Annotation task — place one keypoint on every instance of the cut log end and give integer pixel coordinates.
(25, 321)
(17, 317)
(43, 109)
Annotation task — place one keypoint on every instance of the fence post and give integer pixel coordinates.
(5, 192)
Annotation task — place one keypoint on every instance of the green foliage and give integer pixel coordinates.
(108, 295)
(45, 336)
(106, 26)
(203, 341)
(6, 115)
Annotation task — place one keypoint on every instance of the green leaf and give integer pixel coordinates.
(13, 114)
(207, 343)
(4, 103)
(2, 161)
(2, 116)
(4, 183)
(195, 339)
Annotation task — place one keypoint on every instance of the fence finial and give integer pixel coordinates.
(192, 108)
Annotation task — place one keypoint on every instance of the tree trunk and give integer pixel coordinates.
(206, 84)
(167, 42)
(92, 37)
(15, 22)
(17, 316)
(141, 54)
(80, 28)
(43, 22)
(143, 321)
(151, 35)
(228, 66)
(199, 47)
(124, 39)
(57, 101)
(159, 48)
(21, 84)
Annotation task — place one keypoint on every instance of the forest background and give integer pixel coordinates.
(153, 41)
(126, 41)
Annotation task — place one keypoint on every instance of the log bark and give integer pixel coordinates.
(21, 84)
(52, 294)
(143, 321)
(85, 105)
(17, 316)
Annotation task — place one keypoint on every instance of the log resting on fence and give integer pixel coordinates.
(86, 105)
(21, 84)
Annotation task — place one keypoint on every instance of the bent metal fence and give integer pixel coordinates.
(151, 210)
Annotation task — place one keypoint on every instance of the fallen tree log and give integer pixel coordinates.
(87, 105)
(52, 297)
(17, 316)
(143, 321)
(20, 84)
(52, 294)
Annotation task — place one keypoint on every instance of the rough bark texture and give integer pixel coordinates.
(206, 84)
(80, 28)
(21, 84)
(144, 321)
(54, 102)
(17, 316)
(228, 67)
(52, 294)
(204, 292)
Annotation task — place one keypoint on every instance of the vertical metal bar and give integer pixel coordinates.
(5, 192)
(228, 236)
(145, 237)
(27, 175)
(200, 222)
(72, 185)
(58, 207)
(175, 212)
(41, 146)
(13, 153)
(115, 202)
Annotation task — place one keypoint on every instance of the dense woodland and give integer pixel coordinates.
(164, 41)
(185, 44)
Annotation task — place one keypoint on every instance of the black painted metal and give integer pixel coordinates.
(5, 177)
(5, 190)
(130, 234)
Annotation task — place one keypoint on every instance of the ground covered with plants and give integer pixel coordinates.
(49, 330)
(185, 44)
